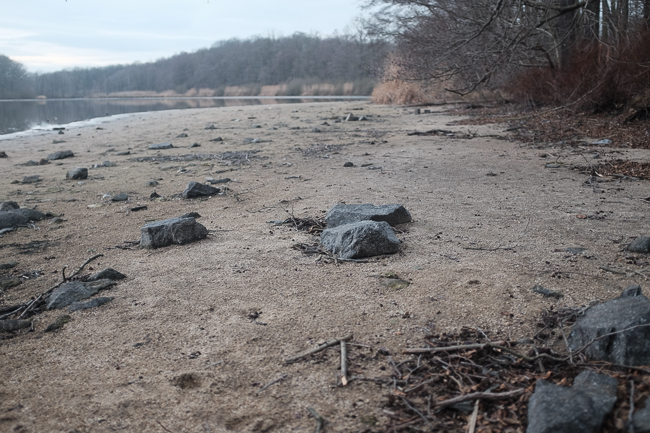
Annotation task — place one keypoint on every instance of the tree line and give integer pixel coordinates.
(293, 63)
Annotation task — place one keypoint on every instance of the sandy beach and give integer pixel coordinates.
(197, 331)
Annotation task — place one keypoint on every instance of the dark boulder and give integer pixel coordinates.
(630, 311)
(195, 189)
(108, 274)
(579, 409)
(360, 239)
(8, 205)
(77, 173)
(341, 214)
(171, 231)
(160, 146)
(74, 291)
(640, 245)
(62, 154)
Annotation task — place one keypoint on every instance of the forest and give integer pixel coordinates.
(285, 66)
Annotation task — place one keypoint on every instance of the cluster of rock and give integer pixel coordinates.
(13, 216)
(616, 331)
(363, 230)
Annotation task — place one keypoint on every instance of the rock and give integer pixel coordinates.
(8, 265)
(194, 215)
(351, 118)
(152, 183)
(216, 139)
(316, 130)
(58, 323)
(138, 208)
(94, 303)
(631, 347)
(62, 154)
(395, 283)
(3, 154)
(417, 111)
(14, 325)
(124, 153)
(641, 419)
(640, 245)
(74, 291)
(360, 239)
(43, 161)
(341, 214)
(210, 127)
(195, 145)
(11, 219)
(348, 164)
(579, 409)
(252, 140)
(603, 142)
(195, 189)
(120, 197)
(217, 181)
(182, 135)
(107, 164)
(31, 179)
(30, 214)
(77, 173)
(8, 283)
(8, 205)
(154, 195)
(546, 292)
(161, 146)
(171, 231)
(108, 274)
(363, 119)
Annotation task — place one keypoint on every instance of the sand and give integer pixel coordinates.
(196, 331)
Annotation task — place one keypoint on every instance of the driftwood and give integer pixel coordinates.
(318, 349)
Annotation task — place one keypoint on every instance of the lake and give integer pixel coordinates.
(23, 115)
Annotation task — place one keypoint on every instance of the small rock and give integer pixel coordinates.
(546, 292)
(58, 141)
(210, 127)
(217, 139)
(155, 195)
(108, 274)
(138, 208)
(58, 323)
(340, 214)
(124, 153)
(77, 173)
(31, 179)
(579, 409)
(3, 154)
(30, 163)
(395, 283)
(74, 291)
(217, 181)
(62, 154)
(120, 197)
(8, 205)
(417, 111)
(348, 164)
(152, 183)
(360, 239)
(93, 303)
(641, 419)
(316, 130)
(43, 161)
(8, 265)
(182, 135)
(351, 118)
(61, 132)
(108, 164)
(161, 146)
(194, 215)
(640, 245)
(14, 325)
(363, 119)
(8, 283)
(195, 189)
(10, 220)
(171, 231)
(603, 142)
(195, 145)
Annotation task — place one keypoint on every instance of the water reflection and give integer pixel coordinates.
(22, 115)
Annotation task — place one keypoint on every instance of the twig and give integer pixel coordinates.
(630, 415)
(471, 428)
(164, 428)
(643, 325)
(612, 270)
(451, 348)
(320, 421)
(479, 395)
(318, 349)
(406, 402)
(344, 364)
(279, 379)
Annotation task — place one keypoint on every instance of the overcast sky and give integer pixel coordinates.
(49, 35)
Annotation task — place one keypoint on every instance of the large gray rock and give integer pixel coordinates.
(160, 146)
(74, 291)
(171, 231)
(631, 347)
(8, 205)
(30, 214)
(62, 154)
(360, 239)
(10, 220)
(341, 214)
(77, 173)
(35, 178)
(195, 189)
(579, 409)
(640, 245)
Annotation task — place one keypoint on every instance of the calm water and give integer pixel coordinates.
(23, 115)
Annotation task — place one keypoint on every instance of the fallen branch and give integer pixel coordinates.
(318, 349)
(479, 395)
(451, 348)
(320, 421)
(344, 364)
(279, 379)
